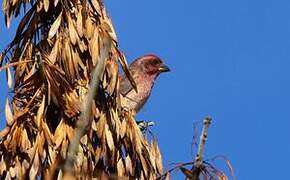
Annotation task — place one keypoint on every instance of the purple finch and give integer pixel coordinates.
(144, 71)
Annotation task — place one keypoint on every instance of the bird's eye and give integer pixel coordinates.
(156, 62)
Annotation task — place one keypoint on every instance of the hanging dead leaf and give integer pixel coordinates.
(9, 78)
(8, 113)
(109, 138)
(158, 158)
(4, 132)
(34, 168)
(55, 2)
(54, 52)
(39, 6)
(59, 134)
(80, 23)
(128, 164)
(25, 143)
(120, 168)
(46, 5)
(12, 171)
(95, 47)
(101, 126)
(55, 26)
(40, 112)
(72, 31)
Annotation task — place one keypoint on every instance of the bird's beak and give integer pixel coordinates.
(163, 68)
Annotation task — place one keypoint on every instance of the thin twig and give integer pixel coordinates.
(177, 166)
(15, 64)
(87, 106)
(196, 170)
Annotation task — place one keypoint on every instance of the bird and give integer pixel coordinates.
(144, 70)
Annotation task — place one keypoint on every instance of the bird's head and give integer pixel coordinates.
(151, 65)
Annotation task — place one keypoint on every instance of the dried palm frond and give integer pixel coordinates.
(49, 66)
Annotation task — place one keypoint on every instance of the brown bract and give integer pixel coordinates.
(49, 66)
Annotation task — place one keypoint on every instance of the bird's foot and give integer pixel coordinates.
(144, 125)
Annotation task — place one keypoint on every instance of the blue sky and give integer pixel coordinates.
(229, 59)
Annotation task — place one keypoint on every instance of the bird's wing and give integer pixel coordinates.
(125, 86)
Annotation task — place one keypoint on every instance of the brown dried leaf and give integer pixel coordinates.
(18, 169)
(158, 158)
(222, 177)
(55, 2)
(95, 47)
(120, 168)
(25, 143)
(107, 26)
(40, 112)
(80, 23)
(101, 126)
(4, 132)
(2, 165)
(54, 52)
(109, 138)
(55, 26)
(59, 134)
(34, 168)
(123, 128)
(83, 47)
(8, 113)
(8, 19)
(144, 165)
(128, 164)
(9, 78)
(90, 28)
(39, 6)
(70, 133)
(14, 2)
(186, 172)
(72, 31)
(64, 148)
(12, 171)
(46, 5)
(47, 134)
(97, 154)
